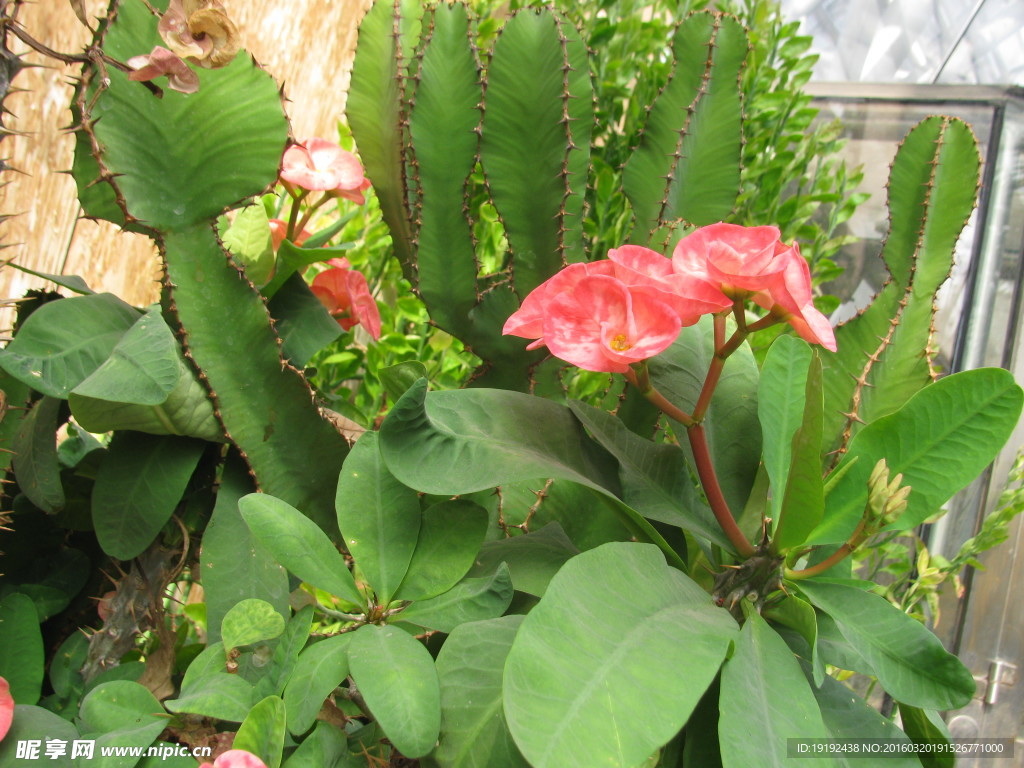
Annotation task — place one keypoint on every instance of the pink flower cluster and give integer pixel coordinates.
(346, 295)
(607, 315)
(321, 165)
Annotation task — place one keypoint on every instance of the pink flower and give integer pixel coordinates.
(6, 708)
(317, 164)
(634, 267)
(278, 230)
(600, 324)
(346, 295)
(355, 195)
(159, 62)
(753, 263)
(236, 758)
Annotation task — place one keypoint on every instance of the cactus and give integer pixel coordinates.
(169, 166)
(413, 111)
(885, 352)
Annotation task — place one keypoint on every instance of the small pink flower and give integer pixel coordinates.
(792, 301)
(6, 708)
(278, 230)
(753, 263)
(317, 164)
(346, 295)
(601, 324)
(236, 758)
(159, 62)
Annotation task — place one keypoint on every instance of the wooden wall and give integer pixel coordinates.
(305, 44)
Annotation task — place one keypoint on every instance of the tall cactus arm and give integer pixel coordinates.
(172, 164)
(687, 165)
(884, 353)
(528, 141)
(377, 112)
(443, 125)
(265, 405)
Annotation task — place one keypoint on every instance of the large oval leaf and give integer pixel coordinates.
(379, 517)
(765, 700)
(298, 544)
(576, 696)
(63, 342)
(473, 729)
(139, 485)
(472, 439)
(940, 440)
(396, 677)
(908, 660)
(320, 669)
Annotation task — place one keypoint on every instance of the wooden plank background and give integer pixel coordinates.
(305, 44)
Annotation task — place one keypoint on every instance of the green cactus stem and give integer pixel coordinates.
(885, 353)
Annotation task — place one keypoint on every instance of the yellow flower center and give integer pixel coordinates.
(619, 343)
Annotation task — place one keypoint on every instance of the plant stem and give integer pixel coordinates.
(642, 381)
(847, 548)
(713, 491)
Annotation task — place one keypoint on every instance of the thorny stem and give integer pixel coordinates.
(309, 214)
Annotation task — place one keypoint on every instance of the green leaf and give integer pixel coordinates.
(73, 283)
(908, 660)
(847, 716)
(655, 479)
(399, 377)
(248, 239)
(940, 440)
(321, 668)
(263, 732)
(207, 689)
(250, 621)
(473, 729)
(532, 560)
(796, 613)
(470, 440)
(731, 424)
(21, 663)
(286, 654)
(35, 724)
(119, 706)
(65, 668)
(450, 536)
(35, 456)
(299, 545)
(139, 485)
(469, 600)
(379, 517)
(325, 747)
(146, 385)
(397, 678)
(780, 408)
(927, 727)
(63, 342)
(804, 502)
(304, 325)
(765, 700)
(233, 564)
(573, 696)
